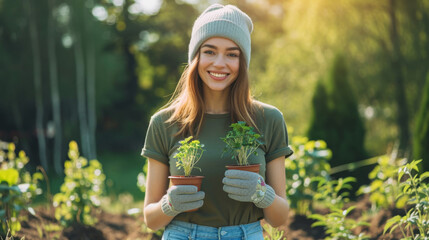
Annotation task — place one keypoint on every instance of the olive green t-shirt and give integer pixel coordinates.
(218, 209)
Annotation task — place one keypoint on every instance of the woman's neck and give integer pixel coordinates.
(216, 102)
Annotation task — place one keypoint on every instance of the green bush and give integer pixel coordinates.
(384, 187)
(421, 132)
(335, 117)
(81, 191)
(17, 188)
(310, 159)
(416, 190)
(338, 226)
(333, 194)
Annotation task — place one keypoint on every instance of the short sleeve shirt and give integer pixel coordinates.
(218, 209)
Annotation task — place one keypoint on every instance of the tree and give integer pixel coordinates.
(34, 39)
(363, 30)
(421, 132)
(335, 116)
(55, 94)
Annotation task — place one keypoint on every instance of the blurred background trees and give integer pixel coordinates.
(96, 70)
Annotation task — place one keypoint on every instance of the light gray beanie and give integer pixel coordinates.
(222, 21)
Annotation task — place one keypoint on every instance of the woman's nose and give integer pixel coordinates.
(219, 61)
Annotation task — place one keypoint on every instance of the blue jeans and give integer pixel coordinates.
(179, 230)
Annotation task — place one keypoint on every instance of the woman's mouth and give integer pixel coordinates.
(218, 75)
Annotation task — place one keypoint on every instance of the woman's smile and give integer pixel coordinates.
(218, 76)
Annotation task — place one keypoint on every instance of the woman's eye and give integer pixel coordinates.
(233, 55)
(210, 52)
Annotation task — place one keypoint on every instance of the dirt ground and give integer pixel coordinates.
(123, 227)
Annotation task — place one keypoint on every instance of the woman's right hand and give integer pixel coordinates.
(181, 198)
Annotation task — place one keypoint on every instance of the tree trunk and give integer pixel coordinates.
(401, 102)
(90, 71)
(55, 96)
(37, 85)
(80, 78)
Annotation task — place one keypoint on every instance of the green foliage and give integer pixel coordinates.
(384, 188)
(415, 188)
(335, 117)
(189, 154)
(273, 233)
(333, 193)
(421, 132)
(81, 191)
(338, 226)
(17, 188)
(242, 141)
(310, 159)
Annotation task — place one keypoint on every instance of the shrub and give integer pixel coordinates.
(338, 226)
(335, 117)
(334, 194)
(81, 191)
(310, 159)
(384, 188)
(416, 189)
(17, 188)
(421, 132)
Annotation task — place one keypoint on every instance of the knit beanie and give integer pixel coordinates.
(222, 21)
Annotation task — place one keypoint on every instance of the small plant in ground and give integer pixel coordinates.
(273, 233)
(310, 159)
(81, 191)
(416, 189)
(17, 188)
(333, 194)
(190, 152)
(242, 141)
(384, 188)
(338, 226)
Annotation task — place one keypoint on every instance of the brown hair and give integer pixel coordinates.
(187, 103)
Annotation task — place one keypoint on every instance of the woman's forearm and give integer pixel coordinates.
(277, 213)
(154, 218)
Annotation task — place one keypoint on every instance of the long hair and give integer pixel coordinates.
(187, 103)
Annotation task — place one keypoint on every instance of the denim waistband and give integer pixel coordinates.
(200, 231)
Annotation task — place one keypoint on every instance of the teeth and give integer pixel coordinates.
(219, 75)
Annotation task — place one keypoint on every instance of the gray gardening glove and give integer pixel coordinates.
(181, 198)
(247, 186)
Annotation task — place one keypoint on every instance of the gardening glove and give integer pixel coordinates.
(181, 198)
(247, 186)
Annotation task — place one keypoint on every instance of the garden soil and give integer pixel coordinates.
(121, 226)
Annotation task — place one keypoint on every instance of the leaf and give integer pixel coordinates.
(423, 176)
(391, 222)
(348, 210)
(10, 176)
(31, 210)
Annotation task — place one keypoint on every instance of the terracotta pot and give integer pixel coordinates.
(191, 180)
(250, 168)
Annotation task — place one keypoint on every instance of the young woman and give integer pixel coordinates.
(212, 93)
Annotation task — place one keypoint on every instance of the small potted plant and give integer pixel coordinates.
(241, 142)
(190, 152)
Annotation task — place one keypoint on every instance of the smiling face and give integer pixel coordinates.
(219, 63)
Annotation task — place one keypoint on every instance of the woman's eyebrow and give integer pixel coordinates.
(214, 47)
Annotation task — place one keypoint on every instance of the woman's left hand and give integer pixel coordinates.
(247, 186)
